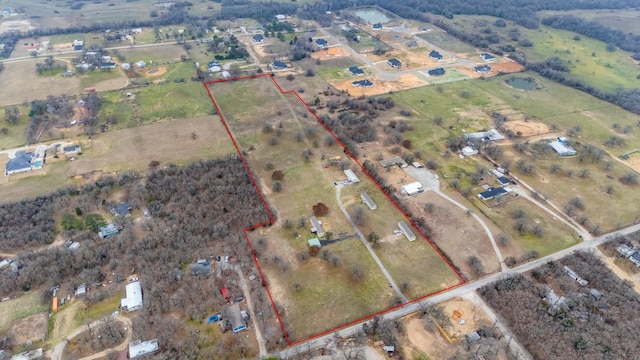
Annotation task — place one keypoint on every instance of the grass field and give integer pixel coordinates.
(625, 20)
(266, 124)
(587, 58)
(25, 305)
(133, 148)
(22, 76)
(445, 41)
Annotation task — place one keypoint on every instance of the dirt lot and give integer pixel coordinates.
(156, 71)
(330, 54)
(408, 81)
(32, 327)
(434, 344)
(633, 162)
(22, 75)
(64, 320)
(527, 128)
(134, 148)
(496, 68)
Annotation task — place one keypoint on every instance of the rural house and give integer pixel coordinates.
(356, 71)
(81, 290)
(72, 150)
(503, 180)
(123, 209)
(406, 230)
(435, 55)
(377, 26)
(437, 72)
(491, 135)
(139, 348)
(393, 161)
(322, 43)
(278, 65)
(214, 66)
(316, 226)
(411, 44)
(133, 299)
(78, 45)
(257, 39)
(362, 83)
(368, 200)
(108, 231)
(237, 321)
(394, 63)
(351, 176)
(486, 57)
(24, 162)
(482, 69)
(492, 193)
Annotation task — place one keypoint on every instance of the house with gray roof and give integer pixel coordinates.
(24, 161)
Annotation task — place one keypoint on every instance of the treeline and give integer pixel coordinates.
(261, 11)
(556, 69)
(593, 322)
(592, 29)
(196, 212)
(523, 12)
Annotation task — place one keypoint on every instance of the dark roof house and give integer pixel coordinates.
(503, 180)
(411, 44)
(108, 231)
(108, 65)
(73, 149)
(123, 209)
(322, 42)
(487, 57)
(21, 163)
(362, 83)
(278, 65)
(482, 69)
(492, 193)
(377, 26)
(394, 63)
(258, 39)
(437, 72)
(356, 70)
(435, 55)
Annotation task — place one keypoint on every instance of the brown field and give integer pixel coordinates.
(15, 25)
(22, 76)
(133, 148)
(527, 128)
(330, 54)
(408, 81)
(32, 327)
(112, 84)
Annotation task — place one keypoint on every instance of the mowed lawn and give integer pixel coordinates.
(18, 308)
(317, 294)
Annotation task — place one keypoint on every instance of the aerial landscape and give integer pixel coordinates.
(319, 179)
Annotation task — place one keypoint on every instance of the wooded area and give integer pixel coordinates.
(197, 211)
(594, 321)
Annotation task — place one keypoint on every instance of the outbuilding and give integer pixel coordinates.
(351, 176)
(368, 200)
(412, 188)
(562, 148)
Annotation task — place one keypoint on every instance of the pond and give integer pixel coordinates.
(523, 83)
(372, 16)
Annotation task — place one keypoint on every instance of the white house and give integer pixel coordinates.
(133, 301)
(139, 348)
(351, 176)
(412, 188)
(406, 230)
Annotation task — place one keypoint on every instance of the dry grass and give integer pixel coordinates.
(18, 308)
(32, 327)
(21, 83)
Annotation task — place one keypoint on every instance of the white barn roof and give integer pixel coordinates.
(412, 188)
(139, 348)
(351, 176)
(133, 301)
(406, 230)
(562, 149)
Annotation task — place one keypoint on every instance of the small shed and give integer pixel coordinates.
(225, 293)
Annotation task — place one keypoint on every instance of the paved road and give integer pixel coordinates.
(366, 244)
(430, 182)
(321, 341)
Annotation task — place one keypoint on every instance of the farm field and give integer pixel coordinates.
(625, 20)
(282, 135)
(26, 305)
(23, 76)
(125, 149)
(587, 58)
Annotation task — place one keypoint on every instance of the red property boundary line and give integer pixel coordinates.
(271, 219)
